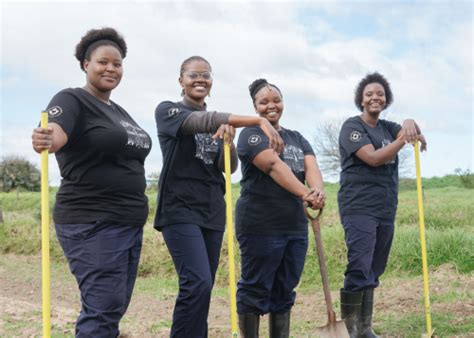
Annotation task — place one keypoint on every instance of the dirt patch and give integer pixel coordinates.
(148, 316)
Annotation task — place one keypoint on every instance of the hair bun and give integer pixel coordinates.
(256, 86)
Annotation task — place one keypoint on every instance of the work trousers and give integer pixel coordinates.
(195, 252)
(104, 259)
(368, 241)
(271, 267)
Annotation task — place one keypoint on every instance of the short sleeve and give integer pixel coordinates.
(305, 146)
(353, 137)
(64, 109)
(252, 141)
(392, 127)
(169, 117)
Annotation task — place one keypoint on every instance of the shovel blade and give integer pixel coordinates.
(333, 330)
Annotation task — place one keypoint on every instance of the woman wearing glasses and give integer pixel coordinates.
(191, 207)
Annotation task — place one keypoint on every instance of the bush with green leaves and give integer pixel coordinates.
(18, 173)
(466, 177)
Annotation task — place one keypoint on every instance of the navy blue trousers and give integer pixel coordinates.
(271, 268)
(368, 241)
(104, 259)
(195, 252)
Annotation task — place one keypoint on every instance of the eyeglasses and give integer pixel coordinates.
(195, 75)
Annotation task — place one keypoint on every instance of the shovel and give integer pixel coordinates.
(424, 256)
(230, 237)
(45, 267)
(334, 328)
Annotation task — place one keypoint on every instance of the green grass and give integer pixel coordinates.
(443, 246)
(449, 219)
(452, 295)
(413, 324)
(13, 326)
(162, 324)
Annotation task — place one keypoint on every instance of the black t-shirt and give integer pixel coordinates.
(367, 190)
(191, 188)
(264, 207)
(102, 163)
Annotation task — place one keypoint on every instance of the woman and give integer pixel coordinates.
(271, 225)
(100, 206)
(191, 207)
(368, 196)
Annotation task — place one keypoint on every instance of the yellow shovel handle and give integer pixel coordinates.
(230, 237)
(421, 215)
(45, 236)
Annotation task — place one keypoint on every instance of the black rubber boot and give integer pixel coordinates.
(350, 310)
(249, 324)
(365, 319)
(279, 325)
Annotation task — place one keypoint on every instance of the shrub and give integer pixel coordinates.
(17, 172)
(466, 177)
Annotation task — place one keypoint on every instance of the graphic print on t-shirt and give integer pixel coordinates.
(206, 147)
(385, 143)
(136, 136)
(294, 158)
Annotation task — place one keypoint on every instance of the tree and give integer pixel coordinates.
(326, 146)
(153, 180)
(466, 177)
(18, 173)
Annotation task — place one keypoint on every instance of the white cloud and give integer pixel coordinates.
(316, 66)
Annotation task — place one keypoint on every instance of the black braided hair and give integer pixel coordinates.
(368, 79)
(191, 59)
(94, 38)
(258, 84)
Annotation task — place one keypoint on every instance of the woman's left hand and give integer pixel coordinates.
(225, 129)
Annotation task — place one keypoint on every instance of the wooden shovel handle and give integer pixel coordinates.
(322, 263)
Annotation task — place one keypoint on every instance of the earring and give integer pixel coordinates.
(182, 92)
(209, 94)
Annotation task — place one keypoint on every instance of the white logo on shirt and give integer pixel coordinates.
(173, 111)
(254, 140)
(294, 158)
(206, 147)
(355, 136)
(55, 111)
(136, 136)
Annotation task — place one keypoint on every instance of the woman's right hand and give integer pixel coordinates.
(42, 139)
(316, 199)
(423, 143)
(276, 142)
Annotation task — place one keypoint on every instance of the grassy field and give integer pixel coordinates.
(449, 217)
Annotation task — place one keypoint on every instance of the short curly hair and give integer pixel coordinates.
(372, 78)
(94, 38)
(258, 84)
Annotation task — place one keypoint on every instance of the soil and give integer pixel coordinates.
(148, 316)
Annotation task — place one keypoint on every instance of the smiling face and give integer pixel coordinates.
(196, 81)
(269, 104)
(373, 98)
(104, 69)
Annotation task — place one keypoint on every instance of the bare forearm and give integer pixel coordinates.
(284, 177)
(238, 121)
(314, 179)
(313, 176)
(382, 155)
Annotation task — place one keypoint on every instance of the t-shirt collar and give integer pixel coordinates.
(189, 104)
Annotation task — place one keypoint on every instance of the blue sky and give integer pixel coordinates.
(316, 52)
